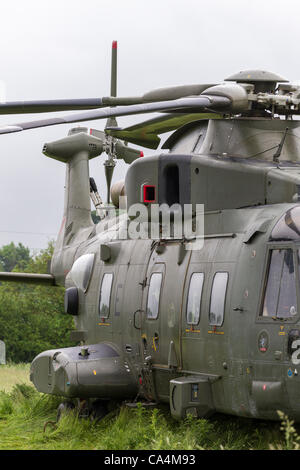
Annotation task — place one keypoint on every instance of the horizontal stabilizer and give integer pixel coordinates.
(28, 278)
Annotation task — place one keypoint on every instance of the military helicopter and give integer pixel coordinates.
(210, 329)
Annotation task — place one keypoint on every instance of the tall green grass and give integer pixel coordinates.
(28, 421)
(11, 374)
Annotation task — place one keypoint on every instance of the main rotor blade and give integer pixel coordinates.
(197, 104)
(113, 75)
(46, 106)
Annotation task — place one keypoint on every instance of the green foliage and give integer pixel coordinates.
(12, 256)
(291, 437)
(32, 318)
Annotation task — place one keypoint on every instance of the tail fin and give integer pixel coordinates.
(75, 150)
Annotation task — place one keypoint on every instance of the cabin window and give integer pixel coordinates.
(154, 295)
(280, 300)
(217, 300)
(105, 294)
(194, 298)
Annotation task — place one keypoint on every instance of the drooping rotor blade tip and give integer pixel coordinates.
(113, 80)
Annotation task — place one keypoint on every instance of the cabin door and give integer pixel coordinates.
(271, 367)
(161, 319)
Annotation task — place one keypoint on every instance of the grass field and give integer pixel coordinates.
(13, 374)
(28, 421)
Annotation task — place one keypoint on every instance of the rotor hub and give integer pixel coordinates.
(263, 81)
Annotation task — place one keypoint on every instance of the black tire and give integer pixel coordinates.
(99, 409)
(63, 408)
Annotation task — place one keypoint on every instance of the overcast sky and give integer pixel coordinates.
(62, 49)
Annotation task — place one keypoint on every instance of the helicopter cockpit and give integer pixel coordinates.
(280, 300)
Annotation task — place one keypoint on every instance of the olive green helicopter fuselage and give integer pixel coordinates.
(206, 322)
(204, 330)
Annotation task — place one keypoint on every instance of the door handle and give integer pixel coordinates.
(137, 323)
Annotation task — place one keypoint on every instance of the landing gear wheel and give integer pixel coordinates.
(64, 408)
(99, 409)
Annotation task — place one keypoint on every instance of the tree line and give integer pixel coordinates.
(32, 318)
